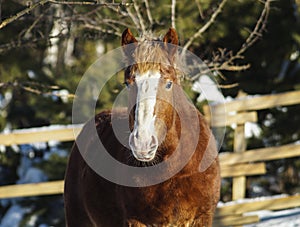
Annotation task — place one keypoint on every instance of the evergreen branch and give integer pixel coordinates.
(206, 26)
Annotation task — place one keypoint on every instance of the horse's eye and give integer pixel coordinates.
(126, 84)
(169, 84)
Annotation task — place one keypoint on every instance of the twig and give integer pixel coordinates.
(117, 10)
(29, 42)
(22, 13)
(258, 29)
(228, 86)
(206, 26)
(33, 25)
(199, 9)
(138, 13)
(225, 61)
(0, 11)
(89, 3)
(98, 28)
(134, 19)
(149, 15)
(35, 88)
(173, 9)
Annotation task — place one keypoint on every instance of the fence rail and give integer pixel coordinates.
(238, 164)
(42, 134)
(34, 189)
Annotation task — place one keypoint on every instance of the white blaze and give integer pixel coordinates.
(143, 140)
(147, 85)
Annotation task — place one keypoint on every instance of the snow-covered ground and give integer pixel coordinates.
(285, 218)
(281, 218)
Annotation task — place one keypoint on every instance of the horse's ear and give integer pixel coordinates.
(171, 38)
(128, 38)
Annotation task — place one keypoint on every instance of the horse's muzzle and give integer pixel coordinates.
(143, 147)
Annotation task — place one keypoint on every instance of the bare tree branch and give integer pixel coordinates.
(228, 59)
(206, 26)
(28, 42)
(138, 13)
(173, 9)
(224, 60)
(36, 88)
(117, 10)
(101, 29)
(258, 29)
(22, 13)
(149, 15)
(89, 3)
(130, 15)
(43, 2)
(134, 19)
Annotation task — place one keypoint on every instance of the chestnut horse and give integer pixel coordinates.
(164, 128)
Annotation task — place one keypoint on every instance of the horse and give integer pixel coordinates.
(164, 127)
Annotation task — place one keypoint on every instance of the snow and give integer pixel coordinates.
(252, 130)
(250, 200)
(14, 216)
(284, 218)
(33, 175)
(208, 90)
(45, 128)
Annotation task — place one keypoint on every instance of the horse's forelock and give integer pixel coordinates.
(152, 56)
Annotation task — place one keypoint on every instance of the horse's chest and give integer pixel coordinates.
(170, 202)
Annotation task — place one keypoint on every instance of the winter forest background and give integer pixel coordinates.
(251, 46)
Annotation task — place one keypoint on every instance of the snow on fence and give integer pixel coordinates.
(237, 164)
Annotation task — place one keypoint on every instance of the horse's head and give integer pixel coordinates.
(150, 78)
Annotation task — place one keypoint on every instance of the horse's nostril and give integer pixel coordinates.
(136, 134)
(153, 143)
(154, 140)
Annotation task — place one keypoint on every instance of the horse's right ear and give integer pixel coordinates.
(128, 38)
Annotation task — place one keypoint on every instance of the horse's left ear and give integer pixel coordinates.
(171, 38)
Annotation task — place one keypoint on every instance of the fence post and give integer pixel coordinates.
(239, 145)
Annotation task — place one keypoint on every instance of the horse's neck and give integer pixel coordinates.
(193, 134)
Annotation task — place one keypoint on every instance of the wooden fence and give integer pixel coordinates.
(237, 164)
